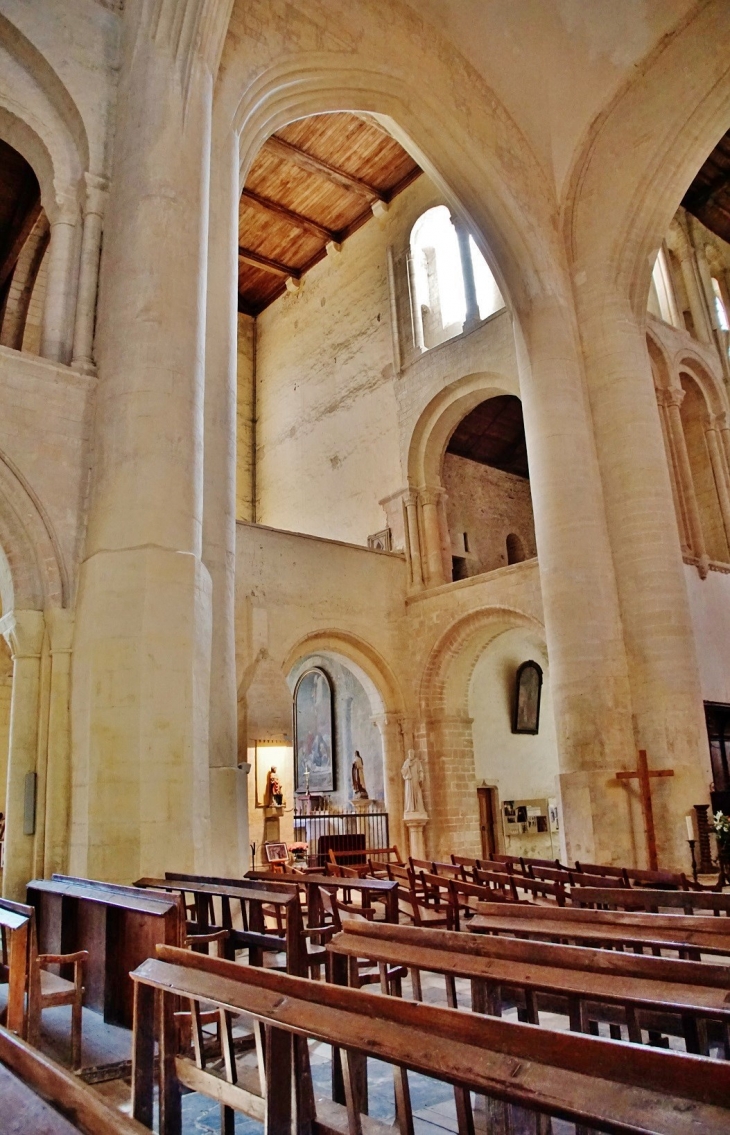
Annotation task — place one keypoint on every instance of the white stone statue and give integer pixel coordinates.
(412, 773)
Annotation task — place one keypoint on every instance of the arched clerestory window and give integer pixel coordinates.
(452, 286)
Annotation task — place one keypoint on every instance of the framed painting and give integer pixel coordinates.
(528, 688)
(276, 852)
(314, 766)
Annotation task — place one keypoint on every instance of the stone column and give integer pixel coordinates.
(415, 561)
(673, 400)
(141, 675)
(60, 624)
(451, 786)
(467, 271)
(389, 725)
(693, 284)
(719, 473)
(666, 697)
(23, 632)
(663, 397)
(61, 281)
(432, 550)
(723, 426)
(83, 349)
(589, 674)
(228, 784)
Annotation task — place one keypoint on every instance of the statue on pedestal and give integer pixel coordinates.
(412, 773)
(273, 793)
(359, 791)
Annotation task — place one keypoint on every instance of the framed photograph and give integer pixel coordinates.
(276, 852)
(528, 688)
(314, 763)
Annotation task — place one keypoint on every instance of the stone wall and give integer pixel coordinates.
(484, 506)
(44, 439)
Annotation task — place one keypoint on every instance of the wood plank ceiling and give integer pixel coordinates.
(493, 434)
(708, 197)
(313, 183)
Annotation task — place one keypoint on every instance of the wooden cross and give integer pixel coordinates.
(643, 774)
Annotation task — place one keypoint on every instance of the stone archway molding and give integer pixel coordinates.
(33, 575)
(356, 650)
(444, 686)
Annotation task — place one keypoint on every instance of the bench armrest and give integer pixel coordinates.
(79, 958)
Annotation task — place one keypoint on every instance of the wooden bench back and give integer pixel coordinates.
(17, 935)
(30, 1080)
(581, 1078)
(634, 898)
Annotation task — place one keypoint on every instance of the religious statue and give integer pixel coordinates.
(359, 791)
(273, 793)
(412, 773)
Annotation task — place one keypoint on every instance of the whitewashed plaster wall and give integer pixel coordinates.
(521, 766)
(44, 440)
(709, 601)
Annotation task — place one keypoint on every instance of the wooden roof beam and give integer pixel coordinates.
(26, 214)
(308, 162)
(289, 215)
(273, 266)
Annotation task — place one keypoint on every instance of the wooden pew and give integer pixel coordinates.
(253, 901)
(689, 936)
(37, 1097)
(366, 859)
(118, 926)
(23, 968)
(15, 933)
(586, 985)
(370, 890)
(689, 902)
(579, 1078)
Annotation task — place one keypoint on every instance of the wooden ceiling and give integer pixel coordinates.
(493, 434)
(708, 197)
(20, 205)
(313, 182)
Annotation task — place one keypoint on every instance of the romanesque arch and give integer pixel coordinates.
(36, 575)
(357, 651)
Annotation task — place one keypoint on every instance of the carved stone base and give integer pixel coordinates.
(415, 823)
(362, 804)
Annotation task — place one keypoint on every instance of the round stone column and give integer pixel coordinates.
(228, 783)
(666, 697)
(61, 281)
(141, 676)
(23, 631)
(589, 674)
(83, 347)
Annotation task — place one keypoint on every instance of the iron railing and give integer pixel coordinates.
(340, 831)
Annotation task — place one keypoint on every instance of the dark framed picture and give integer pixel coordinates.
(314, 766)
(528, 689)
(276, 852)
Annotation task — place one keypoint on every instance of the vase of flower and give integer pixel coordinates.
(722, 835)
(299, 851)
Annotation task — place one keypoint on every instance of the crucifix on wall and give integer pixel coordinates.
(642, 774)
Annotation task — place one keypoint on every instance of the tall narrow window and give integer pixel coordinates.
(720, 310)
(662, 302)
(437, 278)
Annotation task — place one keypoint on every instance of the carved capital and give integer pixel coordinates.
(431, 494)
(670, 396)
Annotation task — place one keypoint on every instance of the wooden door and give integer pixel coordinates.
(487, 797)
